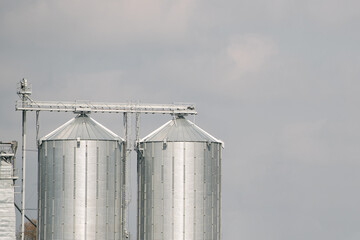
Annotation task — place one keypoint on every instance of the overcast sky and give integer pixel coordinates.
(278, 81)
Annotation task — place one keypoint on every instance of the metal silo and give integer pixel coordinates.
(179, 183)
(7, 180)
(81, 182)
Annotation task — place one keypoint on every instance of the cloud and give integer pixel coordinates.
(113, 86)
(332, 13)
(322, 141)
(98, 86)
(304, 141)
(83, 23)
(249, 53)
(239, 68)
(276, 80)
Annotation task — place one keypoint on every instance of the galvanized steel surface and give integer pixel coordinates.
(179, 190)
(7, 209)
(179, 130)
(83, 127)
(81, 185)
(80, 190)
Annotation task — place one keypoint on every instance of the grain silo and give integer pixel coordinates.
(81, 182)
(179, 183)
(7, 179)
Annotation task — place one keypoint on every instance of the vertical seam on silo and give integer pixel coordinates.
(53, 193)
(220, 177)
(204, 191)
(163, 192)
(107, 189)
(45, 188)
(38, 234)
(139, 198)
(184, 188)
(86, 190)
(123, 149)
(216, 172)
(74, 196)
(115, 187)
(123, 187)
(152, 201)
(144, 213)
(97, 192)
(40, 190)
(152, 191)
(194, 190)
(216, 195)
(145, 199)
(173, 188)
(63, 191)
(212, 190)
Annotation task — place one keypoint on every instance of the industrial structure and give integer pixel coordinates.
(83, 174)
(7, 181)
(179, 183)
(81, 182)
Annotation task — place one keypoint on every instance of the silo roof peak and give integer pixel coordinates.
(82, 127)
(180, 130)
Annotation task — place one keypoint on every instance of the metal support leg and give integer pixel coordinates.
(137, 129)
(39, 195)
(37, 127)
(23, 175)
(125, 121)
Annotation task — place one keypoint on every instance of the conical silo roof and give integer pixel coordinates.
(179, 130)
(82, 127)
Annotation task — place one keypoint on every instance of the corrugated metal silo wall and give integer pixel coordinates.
(179, 191)
(80, 189)
(7, 209)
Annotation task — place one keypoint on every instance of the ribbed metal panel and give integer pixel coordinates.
(80, 187)
(83, 127)
(7, 209)
(179, 186)
(179, 130)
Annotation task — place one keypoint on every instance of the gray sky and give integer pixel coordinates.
(278, 81)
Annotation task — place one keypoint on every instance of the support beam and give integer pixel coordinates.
(24, 91)
(96, 107)
(23, 182)
(37, 127)
(125, 177)
(137, 129)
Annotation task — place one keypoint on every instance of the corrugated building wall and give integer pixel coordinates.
(7, 209)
